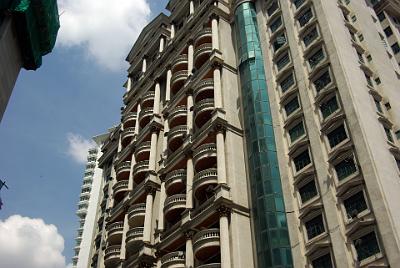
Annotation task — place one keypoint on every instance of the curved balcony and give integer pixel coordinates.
(203, 36)
(119, 190)
(202, 54)
(203, 112)
(142, 151)
(180, 63)
(144, 116)
(175, 181)
(202, 181)
(123, 170)
(112, 255)
(177, 116)
(136, 215)
(176, 137)
(127, 135)
(205, 156)
(139, 171)
(173, 260)
(206, 243)
(174, 206)
(210, 265)
(147, 100)
(115, 231)
(134, 238)
(178, 80)
(129, 120)
(204, 90)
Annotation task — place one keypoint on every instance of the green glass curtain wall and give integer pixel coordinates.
(271, 232)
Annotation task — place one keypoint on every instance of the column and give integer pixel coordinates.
(153, 150)
(191, 7)
(156, 106)
(190, 57)
(162, 44)
(125, 230)
(168, 85)
(163, 196)
(172, 30)
(129, 84)
(138, 109)
(215, 32)
(165, 138)
(217, 86)
(189, 117)
(121, 131)
(189, 260)
(131, 183)
(221, 169)
(189, 181)
(148, 215)
(144, 65)
(224, 237)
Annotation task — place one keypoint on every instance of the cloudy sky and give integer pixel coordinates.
(46, 130)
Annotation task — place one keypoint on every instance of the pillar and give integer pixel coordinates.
(172, 30)
(162, 44)
(137, 119)
(131, 183)
(189, 259)
(215, 32)
(189, 181)
(190, 57)
(168, 85)
(165, 138)
(153, 150)
(163, 196)
(191, 7)
(129, 84)
(156, 106)
(221, 169)
(224, 237)
(144, 65)
(148, 215)
(125, 230)
(189, 117)
(217, 87)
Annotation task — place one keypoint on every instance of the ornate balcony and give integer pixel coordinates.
(134, 238)
(180, 63)
(177, 116)
(129, 120)
(123, 170)
(205, 156)
(147, 100)
(206, 243)
(175, 181)
(176, 137)
(127, 135)
(178, 80)
(139, 171)
(112, 255)
(203, 36)
(202, 181)
(115, 231)
(202, 54)
(136, 215)
(203, 111)
(119, 190)
(144, 116)
(173, 260)
(204, 90)
(142, 151)
(174, 206)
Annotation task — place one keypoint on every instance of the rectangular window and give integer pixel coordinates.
(366, 246)
(292, 106)
(310, 37)
(272, 8)
(369, 80)
(308, 191)
(378, 106)
(345, 168)
(279, 42)
(286, 83)
(388, 31)
(381, 16)
(298, 3)
(315, 227)
(395, 48)
(296, 132)
(275, 24)
(283, 61)
(305, 17)
(322, 81)
(355, 204)
(316, 58)
(329, 107)
(324, 261)
(302, 160)
(388, 133)
(337, 136)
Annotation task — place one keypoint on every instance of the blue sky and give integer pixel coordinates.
(73, 92)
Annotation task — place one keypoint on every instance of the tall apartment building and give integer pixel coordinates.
(256, 134)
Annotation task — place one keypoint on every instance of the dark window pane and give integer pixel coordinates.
(322, 81)
(329, 107)
(345, 168)
(315, 227)
(337, 136)
(355, 204)
(305, 17)
(296, 132)
(302, 160)
(366, 246)
(323, 262)
(310, 37)
(287, 83)
(292, 106)
(308, 191)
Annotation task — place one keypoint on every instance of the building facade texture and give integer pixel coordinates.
(256, 134)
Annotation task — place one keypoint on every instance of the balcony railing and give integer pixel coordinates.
(204, 242)
(112, 253)
(173, 259)
(209, 149)
(175, 179)
(203, 86)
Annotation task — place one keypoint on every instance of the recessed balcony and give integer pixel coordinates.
(142, 151)
(129, 120)
(115, 231)
(134, 238)
(203, 36)
(144, 116)
(127, 135)
(178, 80)
(205, 156)
(175, 181)
(147, 100)
(203, 112)
(202, 181)
(180, 63)
(204, 90)
(202, 54)
(173, 260)
(119, 190)
(112, 255)
(136, 215)
(177, 116)
(139, 171)
(176, 137)
(123, 170)
(174, 206)
(206, 243)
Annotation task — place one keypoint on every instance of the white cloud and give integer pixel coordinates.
(26, 242)
(78, 147)
(105, 29)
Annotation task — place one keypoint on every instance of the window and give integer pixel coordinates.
(275, 24)
(308, 191)
(272, 8)
(296, 132)
(388, 31)
(324, 261)
(360, 57)
(292, 106)
(302, 160)
(381, 16)
(388, 133)
(283, 61)
(378, 81)
(345, 168)
(322, 81)
(355, 204)
(298, 3)
(279, 41)
(329, 107)
(366, 246)
(315, 227)
(369, 80)
(337, 136)
(310, 37)
(286, 83)
(316, 58)
(305, 17)
(378, 106)
(396, 48)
